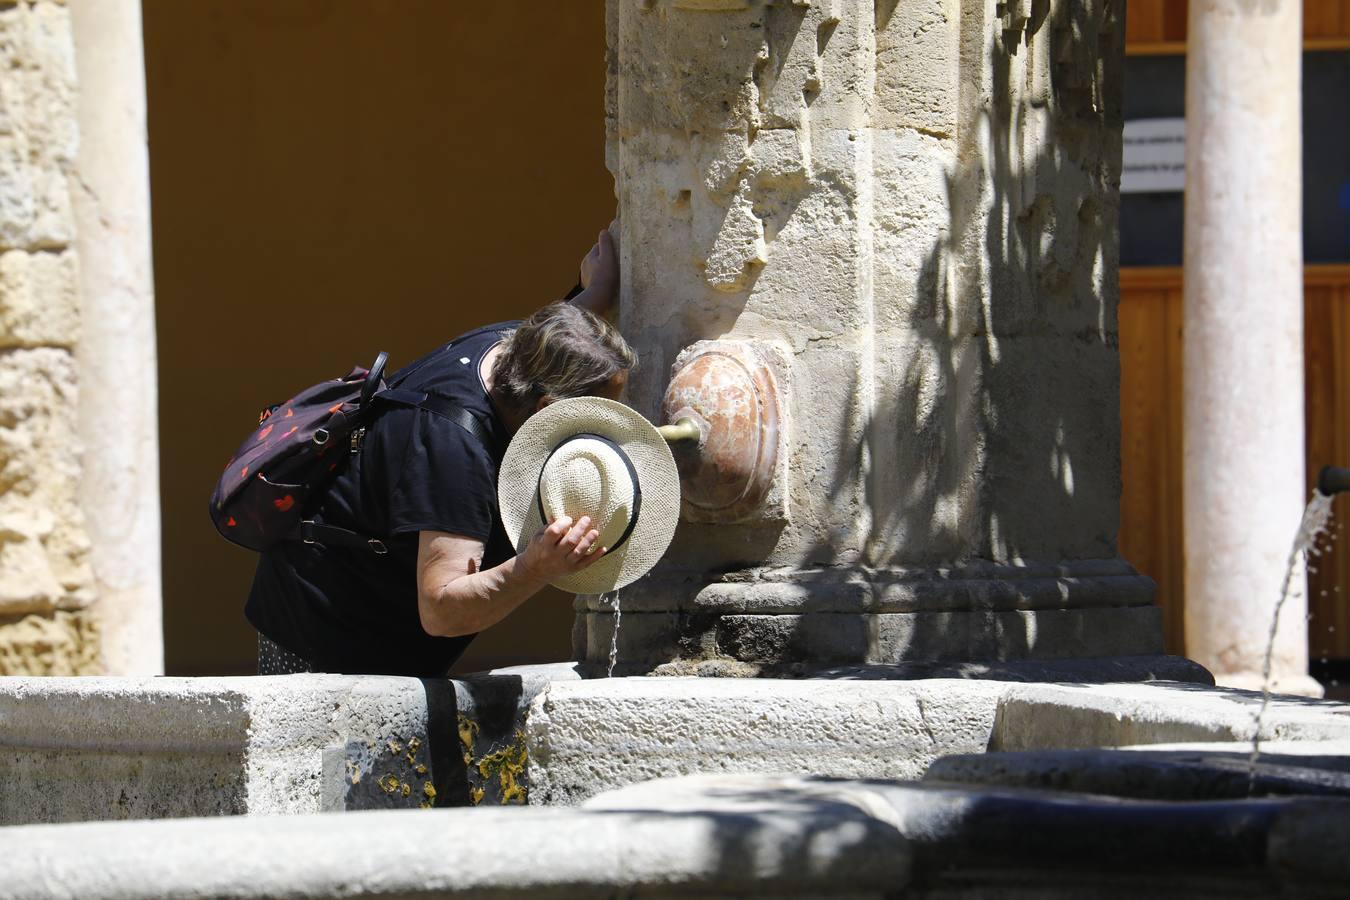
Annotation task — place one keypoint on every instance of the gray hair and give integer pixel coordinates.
(561, 351)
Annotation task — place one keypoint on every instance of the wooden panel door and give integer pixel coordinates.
(1159, 26)
(1326, 342)
(1150, 420)
(1151, 392)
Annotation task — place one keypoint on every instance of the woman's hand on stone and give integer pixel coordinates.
(562, 548)
(600, 268)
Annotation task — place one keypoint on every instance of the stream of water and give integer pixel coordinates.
(613, 637)
(1316, 518)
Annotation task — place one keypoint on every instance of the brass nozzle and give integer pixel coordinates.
(682, 430)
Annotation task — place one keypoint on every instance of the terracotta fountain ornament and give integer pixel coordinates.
(724, 402)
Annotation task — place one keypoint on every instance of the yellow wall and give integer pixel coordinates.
(335, 177)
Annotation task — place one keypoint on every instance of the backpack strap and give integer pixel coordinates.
(443, 406)
(501, 328)
(311, 532)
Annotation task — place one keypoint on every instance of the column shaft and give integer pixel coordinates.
(118, 397)
(1244, 452)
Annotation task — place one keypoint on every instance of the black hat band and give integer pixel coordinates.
(632, 473)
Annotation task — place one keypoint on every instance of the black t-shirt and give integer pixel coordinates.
(353, 611)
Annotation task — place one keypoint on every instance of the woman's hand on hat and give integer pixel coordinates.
(561, 548)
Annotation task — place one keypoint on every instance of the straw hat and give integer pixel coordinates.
(588, 456)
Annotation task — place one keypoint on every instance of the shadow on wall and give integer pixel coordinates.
(1013, 387)
(331, 178)
(1006, 440)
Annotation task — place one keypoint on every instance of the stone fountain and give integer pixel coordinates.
(869, 259)
(869, 248)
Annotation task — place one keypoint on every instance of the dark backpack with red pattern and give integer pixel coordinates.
(278, 475)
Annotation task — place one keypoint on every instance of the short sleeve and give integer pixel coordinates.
(444, 481)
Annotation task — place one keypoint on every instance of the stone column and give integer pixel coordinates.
(118, 396)
(46, 585)
(1244, 455)
(871, 248)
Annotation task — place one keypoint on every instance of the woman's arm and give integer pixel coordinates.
(455, 598)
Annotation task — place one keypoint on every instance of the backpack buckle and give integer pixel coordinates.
(358, 438)
(307, 531)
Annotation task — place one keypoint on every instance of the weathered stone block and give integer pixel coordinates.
(116, 748)
(592, 736)
(39, 302)
(104, 748)
(37, 125)
(914, 220)
(1053, 716)
(1051, 476)
(42, 536)
(918, 65)
(57, 643)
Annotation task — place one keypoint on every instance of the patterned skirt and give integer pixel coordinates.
(274, 659)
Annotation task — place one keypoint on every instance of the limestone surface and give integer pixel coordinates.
(62, 643)
(79, 749)
(1243, 477)
(1044, 716)
(118, 405)
(591, 736)
(44, 544)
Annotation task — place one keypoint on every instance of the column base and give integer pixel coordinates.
(1298, 685)
(982, 611)
(652, 639)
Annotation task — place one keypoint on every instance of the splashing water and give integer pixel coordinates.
(1316, 518)
(613, 636)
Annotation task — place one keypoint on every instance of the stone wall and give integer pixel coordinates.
(46, 583)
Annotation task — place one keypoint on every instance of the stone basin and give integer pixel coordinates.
(107, 748)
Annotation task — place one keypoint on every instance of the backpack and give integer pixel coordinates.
(283, 467)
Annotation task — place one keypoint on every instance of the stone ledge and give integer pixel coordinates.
(484, 853)
(91, 748)
(1035, 717)
(78, 749)
(591, 736)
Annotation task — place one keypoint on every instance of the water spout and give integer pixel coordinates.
(1316, 517)
(1333, 480)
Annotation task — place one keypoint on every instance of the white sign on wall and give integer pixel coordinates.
(1155, 156)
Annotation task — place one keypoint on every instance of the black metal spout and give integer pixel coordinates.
(1333, 480)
